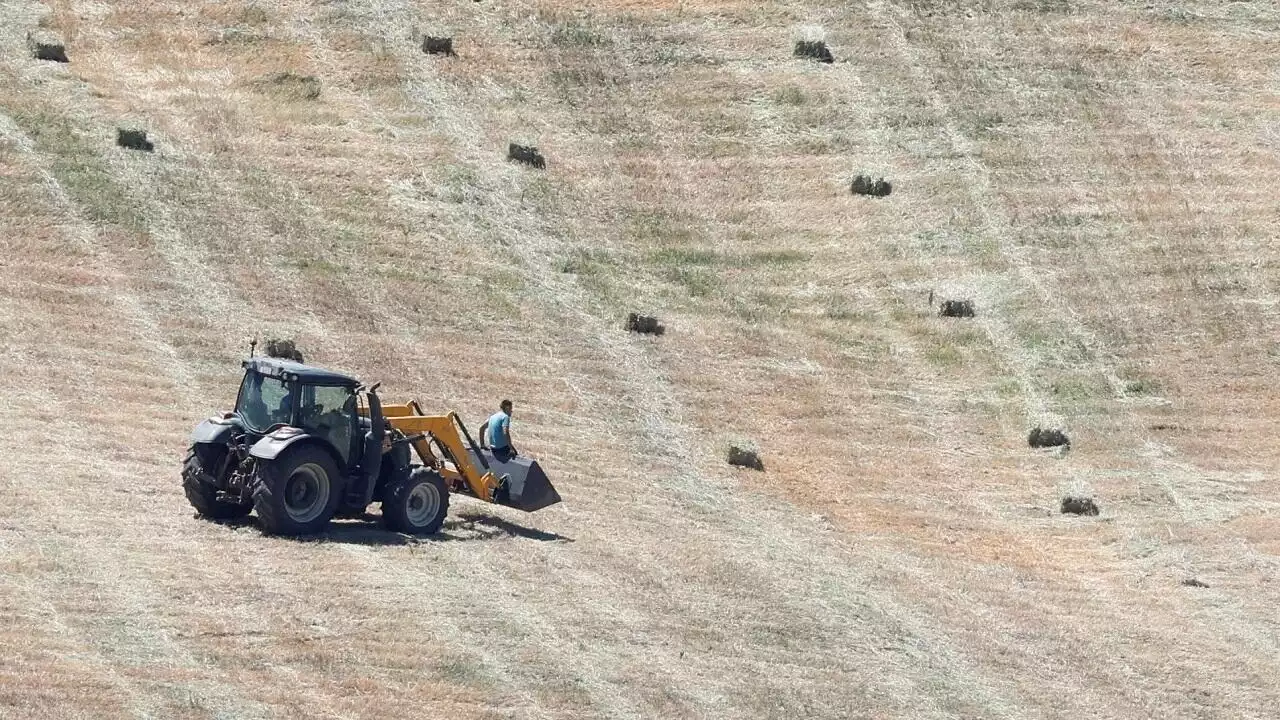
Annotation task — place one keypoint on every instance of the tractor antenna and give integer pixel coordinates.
(252, 344)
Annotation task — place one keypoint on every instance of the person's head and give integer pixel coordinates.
(506, 406)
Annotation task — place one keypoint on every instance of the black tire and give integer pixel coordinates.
(417, 504)
(197, 470)
(298, 492)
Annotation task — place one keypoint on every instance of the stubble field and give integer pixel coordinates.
(1098, 177)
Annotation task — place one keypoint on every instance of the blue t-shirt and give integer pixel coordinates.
(498, 423)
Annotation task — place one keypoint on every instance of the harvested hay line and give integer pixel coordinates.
(289, 86)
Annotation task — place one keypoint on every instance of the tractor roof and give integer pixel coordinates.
(290, 370)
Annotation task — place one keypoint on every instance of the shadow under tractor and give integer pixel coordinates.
(305, 444)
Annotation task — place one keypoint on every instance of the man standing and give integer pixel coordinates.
(495, 433)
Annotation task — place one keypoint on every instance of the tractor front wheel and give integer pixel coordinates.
(296, 493)
(417, 504)
(197, 477)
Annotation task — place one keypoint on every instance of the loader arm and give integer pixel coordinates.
(447, 430)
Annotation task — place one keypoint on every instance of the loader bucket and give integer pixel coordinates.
(527, 487)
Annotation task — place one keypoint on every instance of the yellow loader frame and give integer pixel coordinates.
(448, 431)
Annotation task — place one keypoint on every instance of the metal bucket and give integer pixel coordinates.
(526, 488)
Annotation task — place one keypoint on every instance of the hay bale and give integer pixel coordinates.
(290, 85)
(956, 308)
(814, 49)
(527, 154)
(743, 455)
(1072, 505)
(134, 139)
(644, 324)
(865, 185)
(284, 349)
(1039, 438)
(45, 45)
(438, 46)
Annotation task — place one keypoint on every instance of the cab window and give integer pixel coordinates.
(330, 413)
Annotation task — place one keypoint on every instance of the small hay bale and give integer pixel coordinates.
(290, 86)
(956, 309)
(45, 45)
(815, 49)
(865, 185)
(134, 139)
(644, 324)
(745, 456)
(1039, 438)
(1072, 505)
(438, 46)
(284, 349)
(527, 154)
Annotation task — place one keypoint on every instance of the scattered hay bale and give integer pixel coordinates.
(1072, 505)
(1039, 438)
(644, 325)
(134, 139)
(815, 49)
(284, 349)
(1193, 582)
(956, 308)
(45, 45)
(865, 185)
(290, 85)
(742, 455)
(526, 154)
(438, 46)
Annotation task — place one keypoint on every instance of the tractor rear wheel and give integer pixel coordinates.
(417, 504)
(197, 470)
(298, 492)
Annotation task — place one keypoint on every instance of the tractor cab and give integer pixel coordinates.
(277, 394)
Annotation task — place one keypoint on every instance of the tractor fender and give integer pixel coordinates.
(273, 444)
(214, 430)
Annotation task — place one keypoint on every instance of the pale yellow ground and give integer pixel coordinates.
(1098, 176)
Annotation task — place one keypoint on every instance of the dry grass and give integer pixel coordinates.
(1096, 176)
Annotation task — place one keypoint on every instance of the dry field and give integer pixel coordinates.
(1099, 176)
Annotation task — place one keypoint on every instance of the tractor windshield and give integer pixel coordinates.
(264, 401)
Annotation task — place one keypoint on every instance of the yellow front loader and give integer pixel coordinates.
(443, 444)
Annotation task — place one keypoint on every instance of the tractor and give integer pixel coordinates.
(305, 444)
